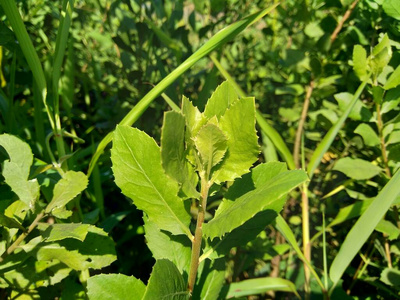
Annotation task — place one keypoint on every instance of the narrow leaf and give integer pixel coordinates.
(166, 283)
(138, 172)
(115, 286)
(260, 285)
(363, 228)
(173, 153)
(70, 186)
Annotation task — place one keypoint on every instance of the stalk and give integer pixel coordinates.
(196, 243)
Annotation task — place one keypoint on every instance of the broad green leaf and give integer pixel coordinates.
(9, 222)
(173, 154)
(394, 79)
(242, 141)
(220, 38)
(381, 55)
(391, 276)
(96, 251)
(139, 174)
(359, 111)
(163, 245)
(57, 232)
(210, 280)
(19, 153)
(356, 168)
(70, 186)
(360, 64)
(166, 283)
(260, 285)
(211, 144)
(268, 196)
(391, 100)
(388, 228)
(392, 8)
(224, 95)
(114, 287)
(26, 190)
(363, 228)
(351, 211)
(368, 134)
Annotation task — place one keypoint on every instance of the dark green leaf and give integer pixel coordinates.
(356, 168)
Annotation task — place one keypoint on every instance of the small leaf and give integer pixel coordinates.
(115, 286)
(242, 141)
(57, 232)
(391, 276)
(224, 95)
(166, 283)
(360, 62)
(359, 112)
(139, 174)
(9, 222)
(381, 55)
(368, 134)
(356, 168)
(163, 245)
(211, 143)
(394, 79)
(70, 186)
(260, 285)
(388, 228)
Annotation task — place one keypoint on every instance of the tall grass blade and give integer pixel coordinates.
(214, 43)
(267, 129)
(363, 228)
(330, 136)
(13, 16)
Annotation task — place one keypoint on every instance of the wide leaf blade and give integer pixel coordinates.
(139, 174)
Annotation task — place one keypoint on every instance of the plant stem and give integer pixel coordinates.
(18, 241)
(296, 151)
(306, 236)
(344, 19)
(196, 244)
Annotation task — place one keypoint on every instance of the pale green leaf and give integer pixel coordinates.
(210, 280)
(139, 174)
(356, 168)
(388, 228)
(224, 95)
(391, 100)
(351, 211)
(368, 134)
(19, 153)
(57, 232)
(114, 287)
(238, 124)
(381, 55)
(392, 8)
(391, 276)
(359, 111)
(363, 228)
(96, 251)
(394, 79)
(70, 186)
(163, 245)
(26, 190)
(173, 153)
(9, 222)
(211, 144)
(260, 285)
(166, 283)
(360, 62)
(268, 196)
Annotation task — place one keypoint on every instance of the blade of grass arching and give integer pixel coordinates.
(330, 136)
(267, 129)
(285, 230)
(363, 228)
(13, 16)
(61, 44)
(214, 43)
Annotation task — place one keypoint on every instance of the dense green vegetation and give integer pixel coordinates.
(199, 149)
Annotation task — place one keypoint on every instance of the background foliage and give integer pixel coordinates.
(305, 57)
